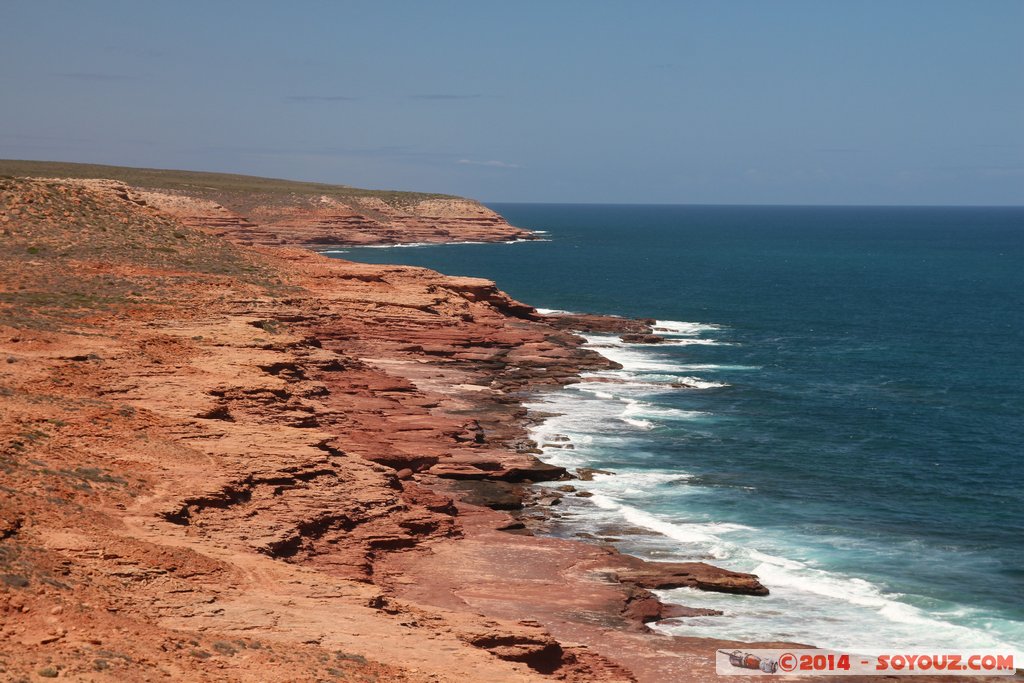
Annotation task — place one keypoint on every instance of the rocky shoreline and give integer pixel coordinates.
(239, 463)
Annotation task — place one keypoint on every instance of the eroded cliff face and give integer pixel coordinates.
(275, 212)
(231, 463)
(321, 220)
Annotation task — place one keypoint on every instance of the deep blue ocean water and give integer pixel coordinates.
(853, 431)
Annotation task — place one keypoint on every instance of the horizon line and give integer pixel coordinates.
(489, 201)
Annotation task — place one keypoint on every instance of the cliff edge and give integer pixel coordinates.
(270, 212)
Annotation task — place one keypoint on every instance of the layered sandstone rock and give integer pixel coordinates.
(700, 575)
(321, 221)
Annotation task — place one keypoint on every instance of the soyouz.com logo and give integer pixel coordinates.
(801, 662)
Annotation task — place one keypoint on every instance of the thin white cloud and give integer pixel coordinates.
(493, 163)
(444, 96)
(319, 98)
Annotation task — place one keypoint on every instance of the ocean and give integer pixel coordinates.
(850, 425)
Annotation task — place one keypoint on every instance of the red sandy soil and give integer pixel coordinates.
(229, 463)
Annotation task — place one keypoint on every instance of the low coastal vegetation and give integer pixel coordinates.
(228, 189)
(69, 252)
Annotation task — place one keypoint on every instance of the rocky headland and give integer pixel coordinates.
(224, 461)
(266, 211)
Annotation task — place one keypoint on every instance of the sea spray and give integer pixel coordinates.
(861, 616)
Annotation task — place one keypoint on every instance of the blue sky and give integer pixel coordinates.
(805, 102)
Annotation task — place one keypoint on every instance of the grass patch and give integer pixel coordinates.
(85, 475)
(94, 474)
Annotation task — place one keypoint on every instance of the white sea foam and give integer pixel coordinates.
(775, 560)
(405, 245)
(603, 340)
(629, 480)
(705, 533)
(807, 603)
(860, 616)
(672, 341)
(711, 367)
(644, 383)
(593, 408)
(553, 311)
(672, 327)
(697, 383)
(638, 357)
(334, 251)
(636, 362)
(694, 342)
(402, 245)
(890, 613)
(629, 358)
(621, 381)
(635, 408)
(637, 422)
(601, 394)
(604, 399)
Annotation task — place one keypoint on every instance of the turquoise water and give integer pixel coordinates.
(853, 427)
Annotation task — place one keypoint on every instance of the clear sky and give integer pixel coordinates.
(782, 101)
